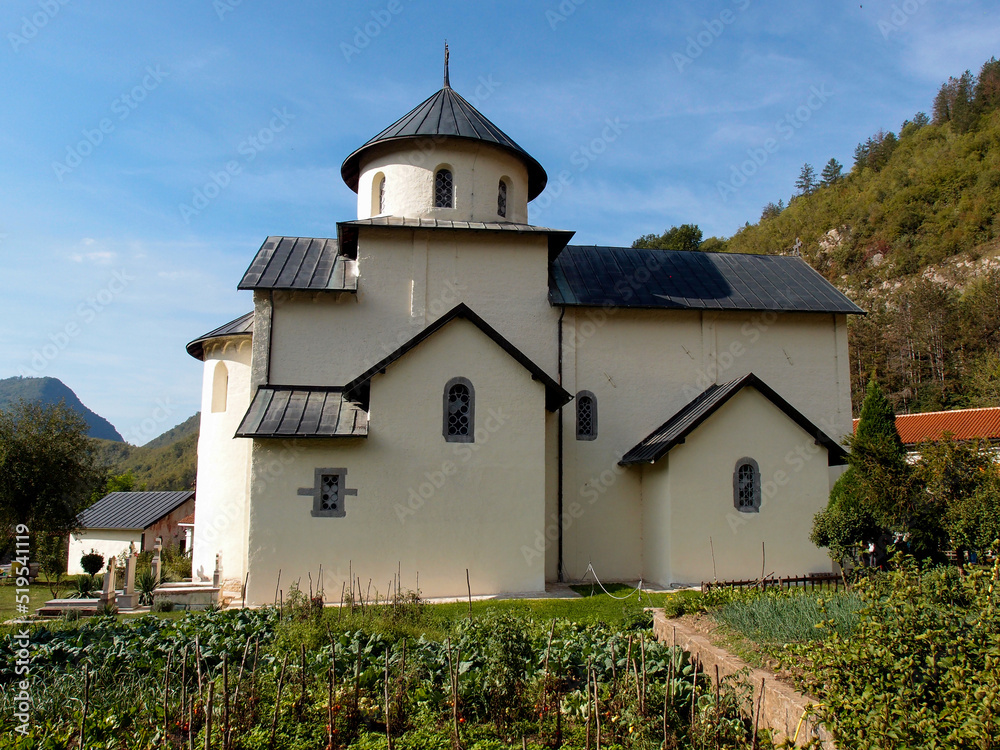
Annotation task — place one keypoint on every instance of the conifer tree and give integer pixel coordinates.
(806, 183)
(831, 172)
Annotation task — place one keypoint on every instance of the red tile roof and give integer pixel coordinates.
(962, 424)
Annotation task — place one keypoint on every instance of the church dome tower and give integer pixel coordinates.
(444, 160)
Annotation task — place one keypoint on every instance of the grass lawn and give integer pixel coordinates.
(38, 594)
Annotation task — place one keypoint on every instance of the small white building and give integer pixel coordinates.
(443, 386)
(121, 519)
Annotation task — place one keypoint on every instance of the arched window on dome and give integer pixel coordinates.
(459, 411)
(502, 199)
(444, 189)
(220, 388)
(381, 195)
(586, 416)
(378, 194)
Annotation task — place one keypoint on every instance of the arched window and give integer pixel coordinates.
(220, 388)
(586, 416)
(459, 411)
(381, 195)
(746, 486)
(444, 189)
(502, 199)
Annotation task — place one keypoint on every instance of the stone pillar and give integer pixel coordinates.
(217, 575)
(154, 565)
(128, 598)
(108, 592)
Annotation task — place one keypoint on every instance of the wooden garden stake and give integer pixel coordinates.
(694, 696)
(597, 711)
(166, 692)
(225, 701)
(614, 670)
(208, 716)
(329, 707)
(191, 725)
(756, 716)
(86, 703)
(388, 732)
(184, 660)
(227, 739)
(642, 647)
(357, 679)
(586, 744)
(253, 672)
(468, 585)
(718, 715)
(197, 661)
(302, 675)
(667, 689)
(277, 701)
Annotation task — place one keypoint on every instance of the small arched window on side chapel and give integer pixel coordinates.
(746, 486)
(381, 195)
(459, 411)
(586, 416)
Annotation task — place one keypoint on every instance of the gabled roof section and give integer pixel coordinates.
(132, 510)
(347, 231)
(303, 412)
(555, 395)
(674, 431)
(961, 424)
(301, 264)
(242, 326)
(672, 279)
(446, 115)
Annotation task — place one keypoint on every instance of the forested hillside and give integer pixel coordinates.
(912, 234)
(168, 462)
(53, 391)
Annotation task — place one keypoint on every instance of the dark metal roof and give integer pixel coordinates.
(672, 279)
(132, 510)
(446, 115)
(242, 326)
(303, 412)
(347, 230)
(301, 263)
(555, 395)
(674, 431)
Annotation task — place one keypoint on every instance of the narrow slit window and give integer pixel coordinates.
(381, 196)
(502, 199)
(586, 416)
(459, 411)
(444, 189)
(220, 388)
(746, 486)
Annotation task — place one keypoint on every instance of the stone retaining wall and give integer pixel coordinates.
(784, 711)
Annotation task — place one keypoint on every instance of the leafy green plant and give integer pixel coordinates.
(145, 584)
(86, 587)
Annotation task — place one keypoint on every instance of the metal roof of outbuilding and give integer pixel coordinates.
(675, 430)
(301, 264)
(132, 510)
(672, 279)
(446, 115)
(303, 412)
(242, 326)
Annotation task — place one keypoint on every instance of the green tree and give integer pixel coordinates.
(987, 96)
(873, 497)
(685, 237)
(831, 173)
(806, 183)
(47, 468)
(125, 482)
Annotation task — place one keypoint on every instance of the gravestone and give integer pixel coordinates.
(128, 599)
(217, 575)
(108, 593)
(154, 565)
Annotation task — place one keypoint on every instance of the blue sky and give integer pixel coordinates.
(115, 116)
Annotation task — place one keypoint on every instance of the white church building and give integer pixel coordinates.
(444, 387)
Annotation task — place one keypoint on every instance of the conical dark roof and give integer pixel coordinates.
(447, 114)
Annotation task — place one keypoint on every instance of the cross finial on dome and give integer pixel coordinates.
(447, 82)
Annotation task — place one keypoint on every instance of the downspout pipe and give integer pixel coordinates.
(560, 573)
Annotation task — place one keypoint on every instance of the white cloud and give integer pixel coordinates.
(99, 257)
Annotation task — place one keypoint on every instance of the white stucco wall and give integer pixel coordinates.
(644, 366)
(476, 167)
(432, 507)
(407, 280)
(689, 504)
(107, 542)
(223, 467)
